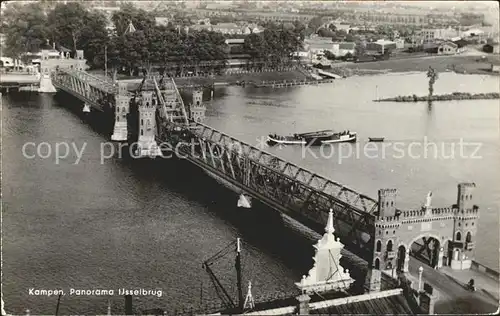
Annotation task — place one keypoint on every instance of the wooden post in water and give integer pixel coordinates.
(58, 302)
(238, 275)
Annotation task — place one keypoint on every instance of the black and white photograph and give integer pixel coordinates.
(278, 157)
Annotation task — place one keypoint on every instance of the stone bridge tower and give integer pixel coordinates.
(465, 228)
(197, 109)
(122, 101)
(448, 234)
(146, 145)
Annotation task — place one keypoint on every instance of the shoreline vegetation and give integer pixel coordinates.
(443, 97)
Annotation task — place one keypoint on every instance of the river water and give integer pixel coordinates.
(149, 225)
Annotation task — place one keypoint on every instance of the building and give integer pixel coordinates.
(400, 43)
(343, 48)
(236, 47)
(162, 21)
(380, 47)
(447, 48)
(426, 35)
(317, 45)
(461, 45)
(228, 28)
(3, 38)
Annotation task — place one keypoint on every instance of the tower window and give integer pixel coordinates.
(389, 245)
(468, 238)
(142, 132)
(377, 263)
(379, 246)
(459, 236)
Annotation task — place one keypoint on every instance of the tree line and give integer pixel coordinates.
(30, 27)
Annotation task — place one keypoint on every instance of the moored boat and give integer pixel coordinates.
(313, 138)
(375, 139)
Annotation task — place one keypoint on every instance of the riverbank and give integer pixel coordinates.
(229, 78)
(458, 63)
(235, 78)
(443, 97)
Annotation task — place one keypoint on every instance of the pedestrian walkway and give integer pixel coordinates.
(482, 280)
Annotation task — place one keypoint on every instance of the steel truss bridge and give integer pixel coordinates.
(280, 184)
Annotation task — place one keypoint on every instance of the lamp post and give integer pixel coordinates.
(420, 270)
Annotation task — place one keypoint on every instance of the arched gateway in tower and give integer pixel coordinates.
(437, 236)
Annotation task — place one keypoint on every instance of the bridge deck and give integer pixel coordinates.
(281, 184)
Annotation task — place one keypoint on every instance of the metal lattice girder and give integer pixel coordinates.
(320, 183)
(99, 83)
(88, 88)
(283, 184)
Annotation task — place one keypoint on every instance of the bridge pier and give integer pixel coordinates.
(46, 85)
(121, 109)
(86, 108)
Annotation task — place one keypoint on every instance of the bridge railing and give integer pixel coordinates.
(281, 184)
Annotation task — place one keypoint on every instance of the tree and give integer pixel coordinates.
(94, 38)
(329, 55)
(67, 22)
(350, 38)
(315, 23)
(76, 28)
(25, 27)
(323, 32)
(141, 19)
(348, 56)
(433, 76)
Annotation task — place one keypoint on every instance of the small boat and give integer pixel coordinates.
(376, 139)
(312, 138)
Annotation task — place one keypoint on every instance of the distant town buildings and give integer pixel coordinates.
(3, 38)
(229, 28)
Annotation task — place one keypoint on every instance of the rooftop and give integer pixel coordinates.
(347, 45)
(393, 305)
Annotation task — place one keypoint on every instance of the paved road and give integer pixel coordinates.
(453, 297)
(19, 78)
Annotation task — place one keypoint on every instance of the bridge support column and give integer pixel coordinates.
(46, 85)
(303, 307)
(406, 264)
(122, 100)
(440, 258)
